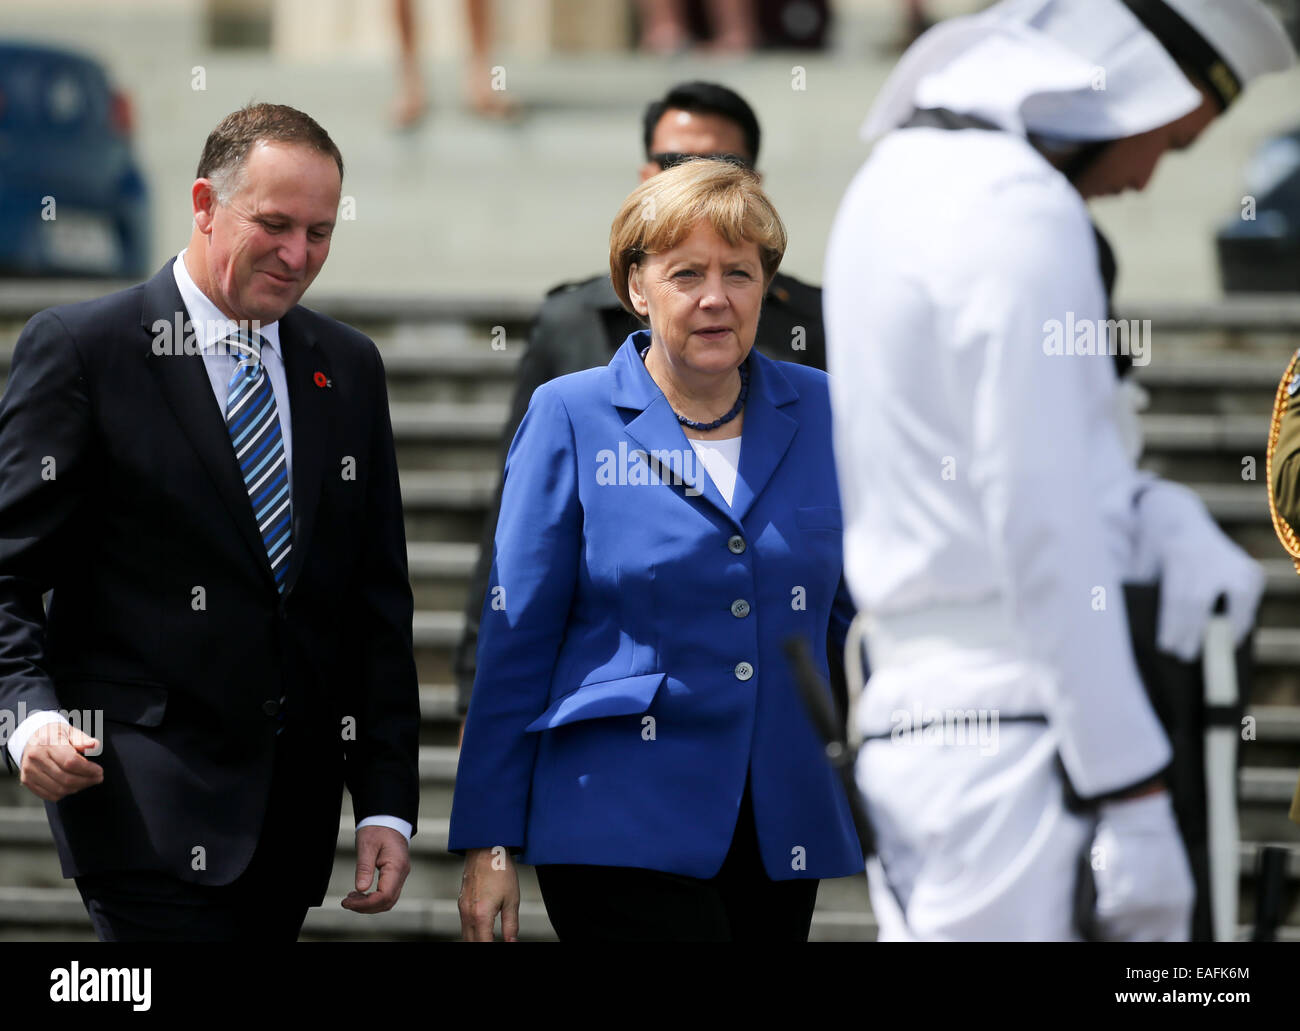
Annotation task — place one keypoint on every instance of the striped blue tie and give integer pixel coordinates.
(254, 426)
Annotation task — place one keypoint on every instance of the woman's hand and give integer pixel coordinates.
(490, 885)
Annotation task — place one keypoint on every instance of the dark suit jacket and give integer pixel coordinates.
(119, 491)
(580, 326)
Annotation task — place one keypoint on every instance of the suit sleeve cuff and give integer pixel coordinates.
(403, 827)
(28, 727)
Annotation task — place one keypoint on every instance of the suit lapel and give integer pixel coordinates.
(310, 393)
(656, 434)
(184, 382)
(767, 431)
(656, 429)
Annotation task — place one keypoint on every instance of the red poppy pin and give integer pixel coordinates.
(322, 380)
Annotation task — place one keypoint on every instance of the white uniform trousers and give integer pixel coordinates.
(978, 848)
(968, 813)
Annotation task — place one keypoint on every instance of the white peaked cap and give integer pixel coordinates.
(1246, 34)
(1077, 69)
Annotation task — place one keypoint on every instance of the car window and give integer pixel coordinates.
(50, 93)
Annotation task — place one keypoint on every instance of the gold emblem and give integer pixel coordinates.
(1224, 81)
(1285, 533)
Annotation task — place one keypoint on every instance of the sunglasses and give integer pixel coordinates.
(671, 159)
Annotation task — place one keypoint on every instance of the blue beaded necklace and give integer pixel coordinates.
(722, 420)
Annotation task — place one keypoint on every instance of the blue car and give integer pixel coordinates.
(72, 199)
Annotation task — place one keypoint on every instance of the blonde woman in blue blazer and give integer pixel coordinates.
(666, 523)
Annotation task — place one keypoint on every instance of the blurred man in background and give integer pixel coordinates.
(993, 507)
(581, 325)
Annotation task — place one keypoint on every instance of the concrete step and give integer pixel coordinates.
(481, 376)
(1276, 723)
(452, 559)
(1235, 503)
(1224, 323)
(843, 912)
(1276, 647)
(438, 703)
(1214, 372)
(51, 916)
(1283, 581)
(1238, 434)
(440, 718)
(436, 635)
(1266, 785)
(440, 573)
(447, 506)
(448, 436)
(479, 422)
(458, 490)
(57, 914)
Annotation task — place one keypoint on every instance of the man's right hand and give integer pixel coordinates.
(489, 886)
(53, 766)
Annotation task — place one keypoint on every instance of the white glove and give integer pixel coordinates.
(1145, 890)
(1195, 562)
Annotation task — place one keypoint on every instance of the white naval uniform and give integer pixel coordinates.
(985, 478)
(990, 500)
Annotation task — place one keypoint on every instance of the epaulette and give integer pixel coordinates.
(594, 292)
(1286, 389)
(572, 284)
(803, 298)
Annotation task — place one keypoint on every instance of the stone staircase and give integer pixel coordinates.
(1211, 382)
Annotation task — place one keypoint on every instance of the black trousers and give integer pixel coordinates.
(627, 904)
(259, 905)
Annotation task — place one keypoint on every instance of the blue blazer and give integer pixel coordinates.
(630, 671)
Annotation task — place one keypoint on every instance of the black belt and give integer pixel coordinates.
(1032, 717)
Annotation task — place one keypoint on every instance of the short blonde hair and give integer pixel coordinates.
(661, 212)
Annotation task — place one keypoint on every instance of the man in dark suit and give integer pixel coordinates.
(582, 324)
(203, 474)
